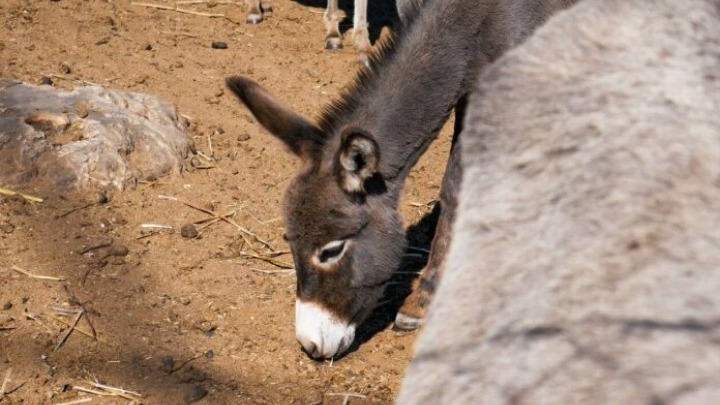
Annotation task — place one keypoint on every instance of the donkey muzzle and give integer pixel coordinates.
(321, 333)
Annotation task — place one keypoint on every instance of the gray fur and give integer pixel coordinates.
(585, 262)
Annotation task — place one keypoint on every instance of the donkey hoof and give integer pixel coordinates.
(333, 43)
(254, 18)
(406, 323)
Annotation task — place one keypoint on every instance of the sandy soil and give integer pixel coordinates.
(180, 320)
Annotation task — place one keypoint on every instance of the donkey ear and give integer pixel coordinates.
(358, 160)
(301, 135)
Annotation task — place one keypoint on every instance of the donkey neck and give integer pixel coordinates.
(407, 94)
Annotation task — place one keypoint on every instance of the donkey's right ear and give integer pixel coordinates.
(301, 135)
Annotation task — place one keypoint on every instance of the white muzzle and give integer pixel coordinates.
(319, 332)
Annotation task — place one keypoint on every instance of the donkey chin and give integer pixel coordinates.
(321, 333)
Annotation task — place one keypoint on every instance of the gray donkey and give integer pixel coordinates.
(340, 211)
(585, 262)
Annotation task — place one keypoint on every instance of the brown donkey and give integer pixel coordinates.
(340, 211)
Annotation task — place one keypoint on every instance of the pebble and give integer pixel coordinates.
(219, 45)
(101, 197)
(7, 305)
(46, 81)
(188, 231)
(7, 227)
(195, 394)
(82, 109)
(65, 68)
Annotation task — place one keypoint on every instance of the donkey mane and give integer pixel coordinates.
(350, 97)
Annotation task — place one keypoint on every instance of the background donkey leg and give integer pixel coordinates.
(254, 15)
(266, 7)
(361, 37)
(411, 313)
(333, 39)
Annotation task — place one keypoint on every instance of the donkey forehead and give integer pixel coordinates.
(316, 208)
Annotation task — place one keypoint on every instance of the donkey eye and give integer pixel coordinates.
(331, 252)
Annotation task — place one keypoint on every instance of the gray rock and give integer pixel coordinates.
(88, 137)
(585, 262)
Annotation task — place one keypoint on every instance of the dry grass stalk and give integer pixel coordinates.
(346, 395)
(127, 394)
(76, 401)
(70, 79)
(33, 317)
(284, 271)
(27, 273)
(184, 11)
(5, 381)
(206, 1)
(215, 215)
(69, 330)
(77, 328)
(28, 197)
(70, 211)
(268, 259)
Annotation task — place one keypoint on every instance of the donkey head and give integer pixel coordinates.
(341, 223)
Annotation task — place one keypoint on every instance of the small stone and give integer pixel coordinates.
(219, 45)
(82, 109)
(46, 81)
(7, 227)
(100, 197)
(188, 231)
(209, 354)
(219, 93)
(195, 394)
(119, 251)
(7, 305)
(65, 68)
(147, 46)
(103, 41)
(167, 364)
(243, 137)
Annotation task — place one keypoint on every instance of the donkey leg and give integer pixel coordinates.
(361, 37)
(266, 7)
(411, 313)
(254, 15)
(333, 39)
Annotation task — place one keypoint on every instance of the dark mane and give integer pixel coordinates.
(349, 98)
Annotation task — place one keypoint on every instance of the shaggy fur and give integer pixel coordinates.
(585, 262)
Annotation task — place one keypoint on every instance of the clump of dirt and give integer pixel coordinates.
(181, 314)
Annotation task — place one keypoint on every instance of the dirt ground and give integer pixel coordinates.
(180, 320)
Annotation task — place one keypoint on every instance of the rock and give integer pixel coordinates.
(65, 68)
(219, 45)
(7, 227)
(7, 305)
(113, 140)
(188, 231)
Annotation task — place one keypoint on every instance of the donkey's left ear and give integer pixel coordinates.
(358, 160)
